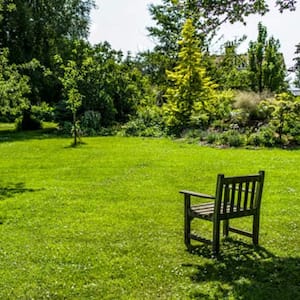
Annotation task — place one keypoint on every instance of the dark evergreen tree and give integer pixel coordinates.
(297, 66)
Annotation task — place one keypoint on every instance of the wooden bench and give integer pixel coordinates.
(236, 197)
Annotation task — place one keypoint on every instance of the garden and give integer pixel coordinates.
(96, 144)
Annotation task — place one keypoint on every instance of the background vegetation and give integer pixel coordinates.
(49, 72)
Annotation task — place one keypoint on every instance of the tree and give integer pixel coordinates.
(266, 63)
(274, 69)
(37, 29)
(72, 76)
(111, 86)
(207, 15)
(14, 89)
(170, 17)
(40, 29)
(191, 92)
(231, 68)
(297, 66)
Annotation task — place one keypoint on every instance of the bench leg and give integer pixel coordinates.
(225, 228)
(187, 221)
(216, 237)
(255, 230)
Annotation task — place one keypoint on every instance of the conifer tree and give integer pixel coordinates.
(297, 66)
(191, 91)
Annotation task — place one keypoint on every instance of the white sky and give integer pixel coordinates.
(123, 24)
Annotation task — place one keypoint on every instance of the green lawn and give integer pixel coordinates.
(105, 221)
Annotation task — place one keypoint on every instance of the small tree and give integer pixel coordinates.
(191, 89)
(266, 63)
(73, 97)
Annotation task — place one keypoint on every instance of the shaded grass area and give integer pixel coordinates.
(105, 221)
(8, 132)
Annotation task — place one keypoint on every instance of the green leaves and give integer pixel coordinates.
(70, 80)
(266, 63)
(13, 88)
(190, 90)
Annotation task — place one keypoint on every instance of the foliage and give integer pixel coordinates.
(91, 123)
(231, 138)
(14, 88)
(112, 86)
(266, 63)
(263, 137)
(147, 122)
(192, 92)
(248, 110)
(284, 117)
(72, 76)
(102, 88)
(90, 222)
(170, 16)
(231, 68)
(43, 112)
(38, 30)
(297, 65)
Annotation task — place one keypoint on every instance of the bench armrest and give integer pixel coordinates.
(200, 195)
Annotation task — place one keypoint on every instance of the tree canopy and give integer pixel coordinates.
(49, 71)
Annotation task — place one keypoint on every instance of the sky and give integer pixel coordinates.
(123, 24)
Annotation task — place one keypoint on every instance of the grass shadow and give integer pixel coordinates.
(14, 136)
(247, 272)
(8, 190)
(73, 146)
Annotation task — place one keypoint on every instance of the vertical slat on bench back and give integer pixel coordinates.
(239, 193)
(226, 198)
(232, 198)
(253, 189)
(246, 194)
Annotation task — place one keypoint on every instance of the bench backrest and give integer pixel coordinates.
(239, 195)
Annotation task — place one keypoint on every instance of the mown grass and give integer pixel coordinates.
(105, 221)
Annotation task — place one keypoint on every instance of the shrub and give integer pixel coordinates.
(232, 138)
(282, 112)
(212, 138)
(91, 123)
(267, 136)
(65, 128)
(194, 135)
(147, 122)
(137, 127)
(256, 139)
(248, 109)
